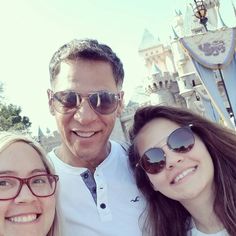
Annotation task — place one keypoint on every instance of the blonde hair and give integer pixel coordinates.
(8, 138)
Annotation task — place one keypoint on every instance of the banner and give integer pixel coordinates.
(215, 50)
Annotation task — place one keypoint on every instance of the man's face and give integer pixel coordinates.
(84, 132)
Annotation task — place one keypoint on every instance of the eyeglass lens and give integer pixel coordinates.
(102, 102)
(40, 185)
(181, 140)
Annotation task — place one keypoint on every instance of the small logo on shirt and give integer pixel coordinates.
(136, 199)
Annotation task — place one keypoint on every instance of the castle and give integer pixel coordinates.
(171, 78)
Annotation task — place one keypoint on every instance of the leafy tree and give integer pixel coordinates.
(10, 119)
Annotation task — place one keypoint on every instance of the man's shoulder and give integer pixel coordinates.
(51, 154)
(53, 158)
(123, 145)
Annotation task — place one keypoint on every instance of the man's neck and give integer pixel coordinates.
(67, 157)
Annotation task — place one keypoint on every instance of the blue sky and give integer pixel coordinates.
(32, 30)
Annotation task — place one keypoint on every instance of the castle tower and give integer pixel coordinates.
(178, 24)
(158, 87)
(212, 7)
(191, 23)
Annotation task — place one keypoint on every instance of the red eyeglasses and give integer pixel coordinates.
(43, 185)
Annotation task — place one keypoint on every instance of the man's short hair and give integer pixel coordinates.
(87, 49)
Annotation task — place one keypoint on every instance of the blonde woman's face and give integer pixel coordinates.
(26, 215)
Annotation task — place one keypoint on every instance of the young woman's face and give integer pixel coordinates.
(26, 215)
(186, 176)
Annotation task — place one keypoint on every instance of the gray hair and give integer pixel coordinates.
(87, 49)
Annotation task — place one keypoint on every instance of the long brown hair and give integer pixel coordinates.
(164, 216)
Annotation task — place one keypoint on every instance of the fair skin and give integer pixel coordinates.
(26, 215)
(85, 133)
(187, 177)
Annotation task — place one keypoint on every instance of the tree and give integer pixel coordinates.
(10, 119)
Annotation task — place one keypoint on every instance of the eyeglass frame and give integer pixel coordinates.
(26, 182)
(188, 127)
(86, 97)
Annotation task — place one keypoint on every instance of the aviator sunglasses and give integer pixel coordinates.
(180, 140)
(102, 102)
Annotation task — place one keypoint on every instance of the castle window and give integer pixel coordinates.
(193, 83)
(160, 84)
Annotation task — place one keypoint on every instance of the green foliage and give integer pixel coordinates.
(10, 119)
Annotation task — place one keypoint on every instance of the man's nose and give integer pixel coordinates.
(85, 113)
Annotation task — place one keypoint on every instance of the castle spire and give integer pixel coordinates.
(176, 36)
(148, 41)
(233, 7)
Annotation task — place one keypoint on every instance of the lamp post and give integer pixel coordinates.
(200, 12)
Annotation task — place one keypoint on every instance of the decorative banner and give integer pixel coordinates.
(213, 49)
(210, 111)
(207, 78)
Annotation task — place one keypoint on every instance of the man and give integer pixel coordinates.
(98, 195)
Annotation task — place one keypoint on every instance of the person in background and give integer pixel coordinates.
(98, 195)
(27, 188)
(185, 166)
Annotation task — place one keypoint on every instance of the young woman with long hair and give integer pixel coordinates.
(185, 166)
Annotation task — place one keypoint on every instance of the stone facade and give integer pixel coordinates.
(171, 78)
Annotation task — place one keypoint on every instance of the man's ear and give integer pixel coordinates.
(121, 104)
(51, 108)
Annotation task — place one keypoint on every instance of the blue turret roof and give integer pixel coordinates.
(155, 70)
(148, 41)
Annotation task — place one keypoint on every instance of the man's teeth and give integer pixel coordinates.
(85, 134)
(23, 219)
(183, 174)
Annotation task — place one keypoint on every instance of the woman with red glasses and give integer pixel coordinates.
(185, 166)
(27, 189)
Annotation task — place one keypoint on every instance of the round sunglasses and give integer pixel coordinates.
(102, 102)
(180, 140)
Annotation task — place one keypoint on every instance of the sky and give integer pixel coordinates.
(32, 30)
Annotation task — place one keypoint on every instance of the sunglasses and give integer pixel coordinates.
(180, 140)
(102, 102)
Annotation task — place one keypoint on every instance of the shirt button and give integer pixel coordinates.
(103, 205)
(86, 175)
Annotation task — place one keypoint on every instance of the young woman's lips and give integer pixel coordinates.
(26, 218)
(183, 174)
